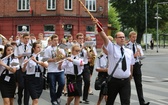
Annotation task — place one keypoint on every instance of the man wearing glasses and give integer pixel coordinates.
(120, 79)
(86, 71)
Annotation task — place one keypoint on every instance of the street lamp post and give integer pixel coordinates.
(146, 23)
(157, 17)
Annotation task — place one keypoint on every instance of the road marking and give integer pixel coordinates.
(158, 103)
(163, 101)
(144, 76)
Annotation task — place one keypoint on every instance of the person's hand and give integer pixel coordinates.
(99, 25)
(1, 63)
(105, 98)
(34, 59)
(70, 59)
(131, 77)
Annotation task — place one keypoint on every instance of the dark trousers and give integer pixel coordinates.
(20, 95)
(22, 88)
(56, 82)
(122, 87)
(86, 79)
(138, 82)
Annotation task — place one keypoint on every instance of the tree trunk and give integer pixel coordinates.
(140, 33)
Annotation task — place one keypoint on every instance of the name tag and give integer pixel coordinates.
(7, 78)
(37, 74)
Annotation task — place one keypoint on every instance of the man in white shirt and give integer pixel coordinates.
(137, 74)
(86, 72)
(55, 76)
(22, 51)
(120, 80)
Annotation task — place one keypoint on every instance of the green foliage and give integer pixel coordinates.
(132, 15)
(113, 19)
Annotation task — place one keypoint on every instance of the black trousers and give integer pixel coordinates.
(137, 74)
(22, 88)
(121, 86)
(86, 79)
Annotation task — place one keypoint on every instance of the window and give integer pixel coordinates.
(51, 4)
(23, 29)
(23, 4)
(68, 4)
(49, 30)
(90, 28)
(90, 31)
(91, 5)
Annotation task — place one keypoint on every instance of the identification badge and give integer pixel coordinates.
(7, 78)
(37, 74)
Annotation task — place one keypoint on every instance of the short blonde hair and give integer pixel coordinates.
(79, 34)
(110, 38)
(74, 46)
(132, 33)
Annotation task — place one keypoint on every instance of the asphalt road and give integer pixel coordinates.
(155, 82)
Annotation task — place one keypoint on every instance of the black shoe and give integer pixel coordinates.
(85, 101)
(146, 103)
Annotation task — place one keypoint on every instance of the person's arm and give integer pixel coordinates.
(101, 32)
(131, 70)
(101, 69)
(11, 69)
(24, 65)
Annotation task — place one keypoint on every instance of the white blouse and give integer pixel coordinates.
(12, 61)
(31, 66)
(69, 66)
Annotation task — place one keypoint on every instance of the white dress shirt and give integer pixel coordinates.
(101, 62)
(2, 68)
(114, 54)
(31, 66)
(19, 50)
(69, 66)
(50, 52)
(137, 46)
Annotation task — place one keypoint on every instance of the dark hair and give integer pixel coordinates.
(54, 36)
(33, 46)
(4, 53)
(25, 34)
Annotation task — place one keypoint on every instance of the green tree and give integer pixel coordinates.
(113, 20)
(132, 14)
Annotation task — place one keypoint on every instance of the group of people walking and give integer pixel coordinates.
(25, 61)
(28, 68)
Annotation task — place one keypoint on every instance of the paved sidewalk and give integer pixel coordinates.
(154, 51)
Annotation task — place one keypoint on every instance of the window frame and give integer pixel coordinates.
(21, 25)
(51, 1)
(68, 5)
(49, 25)
(87, 2)
(27, 4)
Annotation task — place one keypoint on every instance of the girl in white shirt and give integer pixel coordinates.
(7, 78)
(73, 69)
(34, 69)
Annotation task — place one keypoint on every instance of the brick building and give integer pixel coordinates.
(52, 16)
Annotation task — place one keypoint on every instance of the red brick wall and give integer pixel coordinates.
(10, 17)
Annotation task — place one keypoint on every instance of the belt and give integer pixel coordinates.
(120, 79)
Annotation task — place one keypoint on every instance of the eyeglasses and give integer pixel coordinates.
(121, 37)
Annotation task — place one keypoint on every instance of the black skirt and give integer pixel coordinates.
(78, 85)
(35, 86)
(7, 88)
